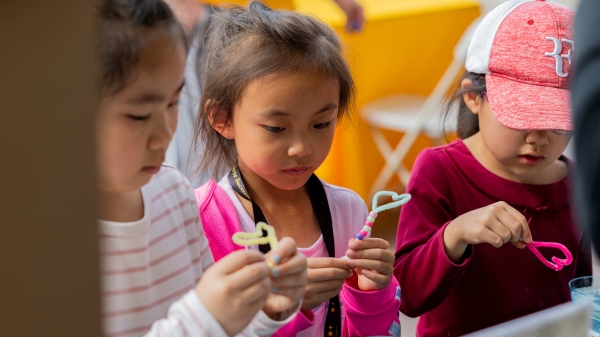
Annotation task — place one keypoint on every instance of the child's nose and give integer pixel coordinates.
(162, 132)
(537, 137)
(300, 148)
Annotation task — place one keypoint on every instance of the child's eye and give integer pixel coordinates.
(322, 125)
(139, 117)
(176, 103)
(274, 129)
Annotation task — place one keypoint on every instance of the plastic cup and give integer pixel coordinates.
(587, 289)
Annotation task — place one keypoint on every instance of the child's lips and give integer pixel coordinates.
(151, 169)
(531, 159)
(296, 171)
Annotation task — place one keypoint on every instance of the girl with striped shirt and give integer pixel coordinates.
(155, 257)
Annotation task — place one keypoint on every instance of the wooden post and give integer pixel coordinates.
(49, 270)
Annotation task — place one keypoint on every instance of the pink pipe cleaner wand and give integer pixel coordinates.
(558, 263)
(398, 200)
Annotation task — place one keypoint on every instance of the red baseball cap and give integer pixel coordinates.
(525, 49)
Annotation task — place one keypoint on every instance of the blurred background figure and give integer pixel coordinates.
(586, 108)
(193, 15)
(355, 18)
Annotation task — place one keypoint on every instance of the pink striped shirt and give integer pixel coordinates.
(150, 268)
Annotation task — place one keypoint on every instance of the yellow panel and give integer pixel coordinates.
(281, 4)
(403, 54)
(225, 3)
(375, 10)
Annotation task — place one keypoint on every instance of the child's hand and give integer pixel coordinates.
(326, 276)
(289, 278)
(495, 224)
(374, 262)
(235, 289)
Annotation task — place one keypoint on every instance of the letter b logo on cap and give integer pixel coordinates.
(558, 57)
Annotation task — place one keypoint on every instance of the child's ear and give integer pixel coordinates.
(219, 119)
(471, 99)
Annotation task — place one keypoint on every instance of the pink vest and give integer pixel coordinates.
(366, 313)
(219, 219)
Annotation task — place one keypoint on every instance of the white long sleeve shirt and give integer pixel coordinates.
(151, 267)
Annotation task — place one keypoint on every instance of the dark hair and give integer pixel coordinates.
(124, 28)
(244, 44)
(467, 123)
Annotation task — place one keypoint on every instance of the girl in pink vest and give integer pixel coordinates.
(275, 86)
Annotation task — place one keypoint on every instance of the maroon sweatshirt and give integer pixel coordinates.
(491, 285)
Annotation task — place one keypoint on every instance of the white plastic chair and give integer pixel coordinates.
(411, 115)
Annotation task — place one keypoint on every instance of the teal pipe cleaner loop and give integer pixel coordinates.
(399, 200)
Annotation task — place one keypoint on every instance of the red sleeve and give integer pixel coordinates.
(423, 269)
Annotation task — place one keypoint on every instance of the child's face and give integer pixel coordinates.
(524, 154)
(135, 125)
(284, 125)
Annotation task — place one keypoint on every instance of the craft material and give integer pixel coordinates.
(257, 238)
(558, 263)
(397, 201)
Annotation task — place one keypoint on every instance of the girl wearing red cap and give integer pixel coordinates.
(504, 181)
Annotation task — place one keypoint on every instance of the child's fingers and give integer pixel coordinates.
(331, 293)
(249, 275)
(368, 243)
(512, 224)
(294, 265)
(237, 260)
(376, 277)
(295, 292)
(327, 262)
(371, 254)
(257, 305)
(285, 249)
(325, 274)
(256, 292)
(498, 227)
(290, 292)
(293, 281)
(519, 244)
(490, 236)
(324, 286)
(382, 267)
(525, 231)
